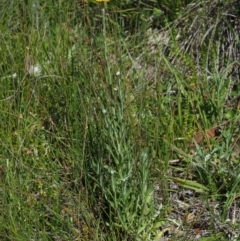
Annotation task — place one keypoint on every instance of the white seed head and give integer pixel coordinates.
(35, 70)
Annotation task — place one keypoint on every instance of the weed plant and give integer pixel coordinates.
(86, 138)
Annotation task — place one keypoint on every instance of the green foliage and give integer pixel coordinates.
(86, 138)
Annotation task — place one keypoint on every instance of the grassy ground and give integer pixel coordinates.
(86, 138)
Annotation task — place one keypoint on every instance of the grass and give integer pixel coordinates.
(87, 139)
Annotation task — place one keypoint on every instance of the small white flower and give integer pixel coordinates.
(104, 111)
(14, 75)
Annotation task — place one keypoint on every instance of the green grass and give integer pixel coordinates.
(85, 142)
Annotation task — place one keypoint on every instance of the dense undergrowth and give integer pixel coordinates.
(95, 116)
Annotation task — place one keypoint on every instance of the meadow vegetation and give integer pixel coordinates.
(112, 115)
